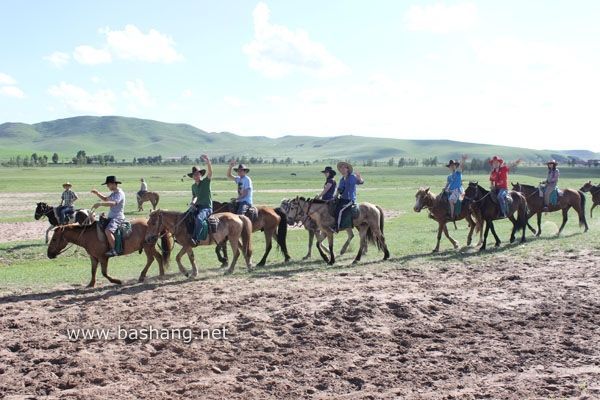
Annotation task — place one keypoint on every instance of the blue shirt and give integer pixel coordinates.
(330, 193)
(244, 183)
(347, 187)
(116, 211)
(455, 181)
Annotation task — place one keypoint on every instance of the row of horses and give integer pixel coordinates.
(157, 234)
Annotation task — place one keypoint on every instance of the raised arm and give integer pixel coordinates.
(359, 179)
(515, 163)
(462, 162)
(229, 175)
(209, 170)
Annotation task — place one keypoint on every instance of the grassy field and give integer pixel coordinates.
(410, 236)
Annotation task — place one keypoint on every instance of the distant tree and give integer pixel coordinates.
(34, 159)
(55, 158)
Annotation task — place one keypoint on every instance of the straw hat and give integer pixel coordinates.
(344, 164)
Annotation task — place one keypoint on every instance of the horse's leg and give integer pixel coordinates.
(539, 224)
(514, 229)
(94, 269)
(320, 246)
(222, 248)
(311, 237)
(104, 267)
(592, 210)
(48, 230)
(565, 213)
(362, 231)
(471, 229)
(178, 259)
(485, 235)
(149, 258)
(454, 242)
(192, 258)
(347, 243)
(269, 245)
(235, 248)
(439, 236)
(494, 233)
(331, 254)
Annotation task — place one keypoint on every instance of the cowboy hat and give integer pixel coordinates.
(111, 179)
(344, 164)
(496, 158)
(242, 167)
(196, 169)
(552, 162)
(330, 170)
(67, 184)
(452, 162)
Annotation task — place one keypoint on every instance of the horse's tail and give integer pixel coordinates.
(246, 235)
(156, 199)
(282, 230)
(166, 242)
(381, 218)
(371, 238)
(522, 212)
(582, 220)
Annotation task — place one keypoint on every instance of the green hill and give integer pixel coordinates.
(132, 137)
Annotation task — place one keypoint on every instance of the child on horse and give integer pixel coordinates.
(328, 192)
(65, 208)
(201, 194)
(547, 187)
(244, 187)
(346, 191)
(499, 181)
(116, 216)
(143, 188)
(454, 188)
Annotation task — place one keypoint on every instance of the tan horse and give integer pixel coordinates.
(438, 210)
(237, 229)
(152, 197)
(308, 224)
(595, 191)
(87, 237)
(570, 198)
(369, 224)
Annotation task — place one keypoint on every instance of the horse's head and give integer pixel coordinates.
(517, 187)
(286, 207)
(472, 192)
(587, 187)
(420, 197)
(292, 209)
(154, 226)
(58, 243)
(40, 210)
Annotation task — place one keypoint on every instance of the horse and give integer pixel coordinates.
(369, 223)
(309, 225)
(230, 227)
(487, 207)
(44, 210)
(595, 191)
(438, 211)
(272, 221)
(152, 197)
(570, 198)
(86, 236)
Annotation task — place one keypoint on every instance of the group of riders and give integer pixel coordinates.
(343, 192)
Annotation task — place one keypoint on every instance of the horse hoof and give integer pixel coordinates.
(228, 272)
(260, 265)
(497, 245)
(435, 250)
(538, 234)
(305, 258)
(141, 279)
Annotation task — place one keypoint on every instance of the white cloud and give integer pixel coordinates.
(12, 91)
(233, 101)
(58, 59)
(89, 55)
(516, 53)
(276, 50)
(137, 93)
(133, 44)
(187, 93)
(441, 18)
(78, 99)
(7, 79)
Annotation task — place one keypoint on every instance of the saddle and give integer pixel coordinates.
(347, 215)
(121, 234)
(554, 196)
(209, 226)
(508, 200)
(251, 212)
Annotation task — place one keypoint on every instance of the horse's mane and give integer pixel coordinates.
(527, 186)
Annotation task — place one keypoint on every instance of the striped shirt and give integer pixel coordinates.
(68, 198)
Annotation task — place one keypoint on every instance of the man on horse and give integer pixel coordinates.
(547, 187)
(244, 187)
(201, 195)
(346, 191)
(499, 181)
(116, 216)
(66, 203)
(328, 192)
(454, 188)
(143, 189)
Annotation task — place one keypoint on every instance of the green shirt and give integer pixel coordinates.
(202, 194)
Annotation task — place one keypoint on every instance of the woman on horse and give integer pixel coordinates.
(201, 194)
(116, 201)
(499, 181)
(550, 184)
(68, 197)
(328, 192)
(346, 191)
(454, 188)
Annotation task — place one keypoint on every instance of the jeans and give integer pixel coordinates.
(62, 213)
(242, 207)
(502, 200)
(202, 215)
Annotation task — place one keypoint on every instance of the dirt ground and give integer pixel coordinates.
(508, 330)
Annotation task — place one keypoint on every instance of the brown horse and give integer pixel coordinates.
(87, 237)
(369, 223)
(231, 227)
(485, 205)
(570, 198)
(438, 210)
(272, 221)
(152, 197)
(595, 191)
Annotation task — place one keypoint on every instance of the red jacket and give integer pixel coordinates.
(499, 177)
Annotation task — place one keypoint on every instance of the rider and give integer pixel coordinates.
(244, 184)
(116, 201)
(550, 184)
(201, 195)
(346, 191)
(499, 180)
(454, 188)
(143, 188)
(330, 185)
(68, 197)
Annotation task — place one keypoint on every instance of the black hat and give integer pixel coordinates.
(242, 167)
(330, 170)
(196, 169)
(111, 179)
(451, 162)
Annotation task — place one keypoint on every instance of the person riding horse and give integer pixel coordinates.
(201, 195)
(116, 201)
(547, 187)
(454, 187)
(499, 181)
(143, 188)
(65, 208)
(328, 192)
(346, 191)
(244, 187)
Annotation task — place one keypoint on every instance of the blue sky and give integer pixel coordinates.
(518, 73)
